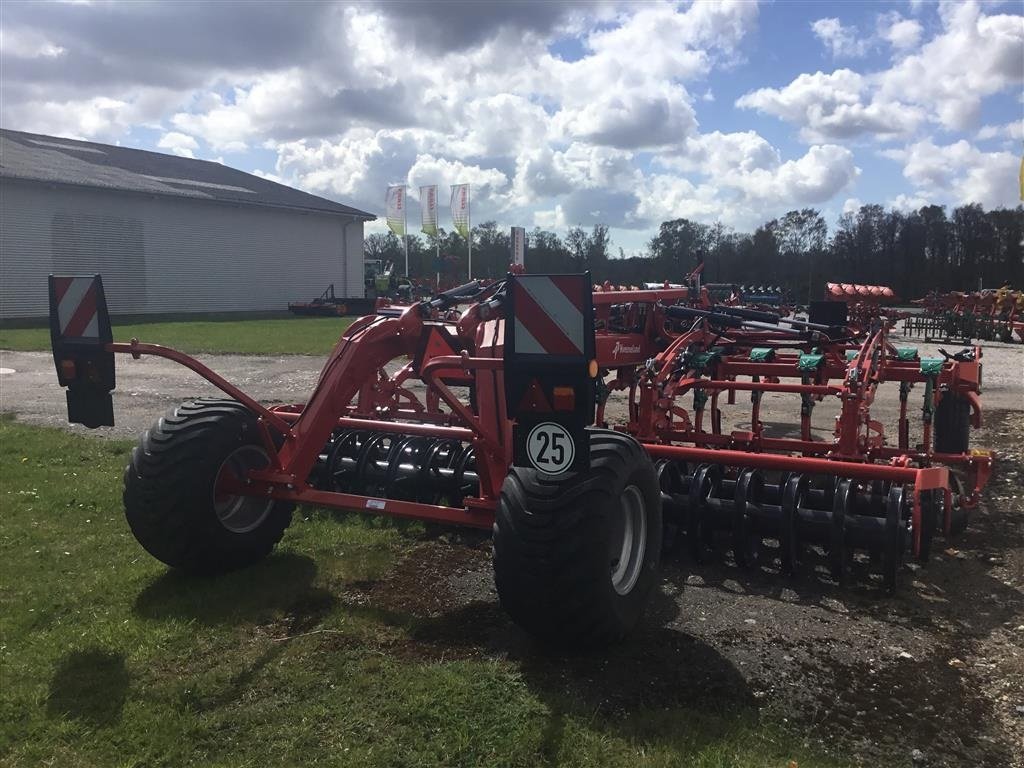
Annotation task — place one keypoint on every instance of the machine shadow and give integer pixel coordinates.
(655, 669)
(281, 583)
(90, 685)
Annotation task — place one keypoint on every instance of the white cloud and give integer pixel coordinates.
(1014, 130)
(900, 33)
(179, 143)
(975, 56)
(746, 180)
(349, 100)
(499, 124)
(945, 81)
(631, 119)
(839, 105)
(544, 172)
(552, 220)
(961, 171)
(908, 203)
(265, 175)
(841, 41)
(25, 43)
(100, 118)
(722, 154)
(486, 182)
(852, 205)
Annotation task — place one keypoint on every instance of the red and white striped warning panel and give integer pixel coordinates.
(549, 316)
(77, 306)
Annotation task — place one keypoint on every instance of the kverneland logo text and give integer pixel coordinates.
(626, 349)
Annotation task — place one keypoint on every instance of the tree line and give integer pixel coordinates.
(912, 252)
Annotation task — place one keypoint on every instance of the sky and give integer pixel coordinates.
(558, 114)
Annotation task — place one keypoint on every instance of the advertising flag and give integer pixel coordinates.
(460, 208)
(428, 205)
(518, 243)
(395, 206)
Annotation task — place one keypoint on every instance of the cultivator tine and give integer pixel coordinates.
(930, 505)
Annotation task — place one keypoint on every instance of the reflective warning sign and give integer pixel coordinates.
(77, 306)
(549, 315)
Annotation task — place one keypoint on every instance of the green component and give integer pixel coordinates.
(810, 363)
(931, 366)
(700, 399)
(762, 355)
(850, 354)
(906, 354)
(704, 360)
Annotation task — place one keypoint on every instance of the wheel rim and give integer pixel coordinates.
(629, 541)
(241, 514)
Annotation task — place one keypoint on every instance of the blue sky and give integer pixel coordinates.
(557, 113)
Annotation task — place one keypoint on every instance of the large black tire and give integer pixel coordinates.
(169, 483)
(554, 568)
(952, 424)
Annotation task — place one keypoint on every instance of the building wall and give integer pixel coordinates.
(165, 255)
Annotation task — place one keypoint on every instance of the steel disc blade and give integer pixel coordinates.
(895, 538)
(838, 552)
(746, 539)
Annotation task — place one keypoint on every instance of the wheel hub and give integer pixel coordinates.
(628, 541)
(240, 514)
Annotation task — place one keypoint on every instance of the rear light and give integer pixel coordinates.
(565, 398)
(67, 370)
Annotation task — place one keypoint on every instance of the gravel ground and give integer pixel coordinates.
(933, 676)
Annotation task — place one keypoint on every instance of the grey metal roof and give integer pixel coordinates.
(54, 160)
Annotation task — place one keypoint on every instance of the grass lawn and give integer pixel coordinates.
(276, 336)
(110, 659)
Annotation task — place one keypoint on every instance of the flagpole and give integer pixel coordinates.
(469, 227)
(405, 229)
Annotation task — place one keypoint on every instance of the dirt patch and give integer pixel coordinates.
(933, 676)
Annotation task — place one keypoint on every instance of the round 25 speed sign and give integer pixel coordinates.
(550, 448)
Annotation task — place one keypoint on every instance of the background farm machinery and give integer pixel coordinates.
(588, 427)
(866, 305)
(989, 315)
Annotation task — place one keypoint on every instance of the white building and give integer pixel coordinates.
(169, 234)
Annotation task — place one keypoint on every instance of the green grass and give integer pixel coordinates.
(276, 336)
(109, 659)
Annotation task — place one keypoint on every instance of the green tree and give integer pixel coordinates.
(679, 246)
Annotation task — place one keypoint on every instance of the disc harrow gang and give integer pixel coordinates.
(415, 468)
(590, 427)
(793, 522)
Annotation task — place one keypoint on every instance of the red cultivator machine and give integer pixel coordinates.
(588, 428)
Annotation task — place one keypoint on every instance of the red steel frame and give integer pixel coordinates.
(639, 347)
